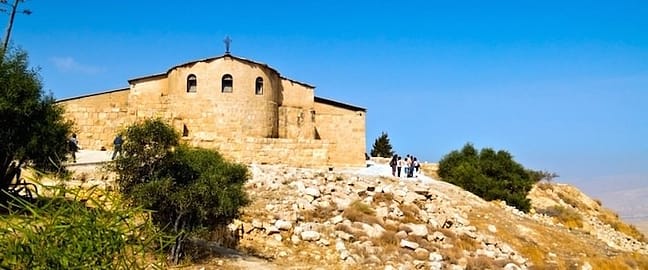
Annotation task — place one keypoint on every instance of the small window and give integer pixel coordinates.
(192, 83)
(185, 131)
(227, 83)
(259, 86)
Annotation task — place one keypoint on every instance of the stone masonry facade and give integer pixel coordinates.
(244, 109)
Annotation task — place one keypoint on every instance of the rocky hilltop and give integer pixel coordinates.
(352, 219)
(364, 218)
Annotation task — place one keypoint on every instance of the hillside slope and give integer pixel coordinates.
(317, 219)
(366, 219)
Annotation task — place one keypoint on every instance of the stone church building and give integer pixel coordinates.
(244, 109)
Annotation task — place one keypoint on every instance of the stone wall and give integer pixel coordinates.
(98, 117)
(296, 152)
(345, 127)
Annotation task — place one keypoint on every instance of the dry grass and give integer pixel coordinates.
(361, 212)
(430, 169)
(387, 239)
(575, 202)
(630, 261)
(357, 233)
(410, 213)
(466, 243)
(320, 214)
(535, 241)
(453, 254)
(481, 263)
(545, 186)
(383, 197)
(565, 215)
(611, 218)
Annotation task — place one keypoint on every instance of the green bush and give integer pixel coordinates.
(190, 189)
(490, 175)
(61, 232)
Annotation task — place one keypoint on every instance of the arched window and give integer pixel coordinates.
(227, 83)
(258, 89)
(192, 83)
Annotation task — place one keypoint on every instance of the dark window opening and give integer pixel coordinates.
(185, 131)
(227, 83)
(259, 86)
(192, 83)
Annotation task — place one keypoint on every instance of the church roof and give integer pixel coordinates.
(94, 94)
(152, 76)
(339, 104)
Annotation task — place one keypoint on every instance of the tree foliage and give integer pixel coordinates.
(490, 175)
(33, 129)
(190, 189)
(382, 147)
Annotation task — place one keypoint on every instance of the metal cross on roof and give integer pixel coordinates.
(227, 41)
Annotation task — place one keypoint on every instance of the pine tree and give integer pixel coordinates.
(382, 147)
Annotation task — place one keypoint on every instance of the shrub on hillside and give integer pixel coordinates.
(190, 189)
(61, 232)
(490, 175)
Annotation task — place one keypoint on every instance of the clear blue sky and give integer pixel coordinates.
(562, 85)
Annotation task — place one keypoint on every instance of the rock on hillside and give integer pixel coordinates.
(302, 218)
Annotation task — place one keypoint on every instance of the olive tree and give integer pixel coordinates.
(190, 189)
(490, 175)
(32, 127)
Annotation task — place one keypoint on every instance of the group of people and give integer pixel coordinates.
(73, 145)
(408, 167)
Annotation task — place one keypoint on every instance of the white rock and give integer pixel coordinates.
(295, 239)
(344, 254)
(435, 257)
(310, 236)
(271, 230)
(369, 230)
(382, 212)
(408, 244)
(339, 245)
(324, 242)
(492, 228)
(417, 229)
(257, 224)
(436, 265)
(342, 203)
(511, 266)
(314, 192)
(586, 266)
(411, 197)
(277, 237)
(298, 230)
(438, 236)
(299, 186)
(344, 236)
(336, 219)
(283, 225)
